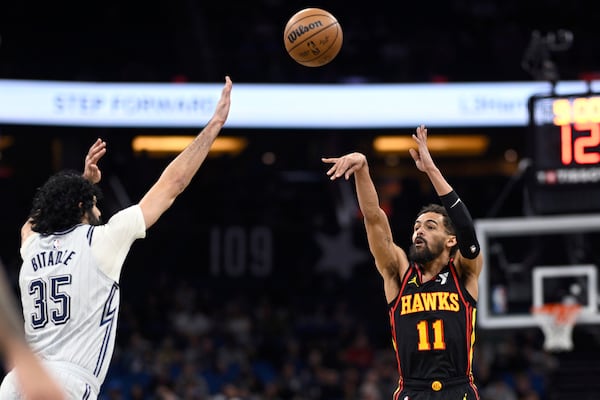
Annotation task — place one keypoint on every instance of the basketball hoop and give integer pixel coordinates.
(557, 321)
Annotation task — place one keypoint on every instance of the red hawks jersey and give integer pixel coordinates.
(433, 325)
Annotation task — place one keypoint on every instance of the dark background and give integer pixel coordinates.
(254, 239)
(202, 41)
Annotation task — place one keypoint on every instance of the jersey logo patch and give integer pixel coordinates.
(414, 280)
(442, 278)
(56, 244)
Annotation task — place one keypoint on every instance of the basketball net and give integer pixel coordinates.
(557, 321)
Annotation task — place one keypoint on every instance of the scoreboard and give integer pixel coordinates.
(564, 146)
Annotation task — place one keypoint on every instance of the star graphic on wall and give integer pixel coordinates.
(338, 253)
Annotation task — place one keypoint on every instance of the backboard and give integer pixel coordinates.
(532, 261)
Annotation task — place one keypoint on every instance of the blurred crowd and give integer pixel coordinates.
(182, 341)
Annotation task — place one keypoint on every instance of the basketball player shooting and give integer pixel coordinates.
(72, 263)
(432, 291)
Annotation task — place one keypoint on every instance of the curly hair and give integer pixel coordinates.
(61, 202)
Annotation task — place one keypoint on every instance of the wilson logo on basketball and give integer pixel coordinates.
(302, 29)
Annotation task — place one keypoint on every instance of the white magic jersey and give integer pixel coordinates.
(70, 293)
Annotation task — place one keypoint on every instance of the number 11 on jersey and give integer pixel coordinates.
(438, 335)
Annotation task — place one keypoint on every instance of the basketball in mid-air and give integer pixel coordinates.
(313, 37)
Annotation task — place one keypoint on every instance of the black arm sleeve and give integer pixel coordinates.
(462, 221)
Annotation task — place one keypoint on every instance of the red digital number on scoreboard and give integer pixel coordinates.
(579, 115)
(575, 150)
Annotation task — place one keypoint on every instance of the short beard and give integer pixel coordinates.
(92, 219)
(425, 254)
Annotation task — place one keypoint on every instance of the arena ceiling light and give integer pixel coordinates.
(160, 146)
(6, 142)
(450, 145)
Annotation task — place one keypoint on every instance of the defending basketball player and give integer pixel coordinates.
(72, 263)
(432, 291)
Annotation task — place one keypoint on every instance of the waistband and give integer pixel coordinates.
(434, 384)
(74, 369)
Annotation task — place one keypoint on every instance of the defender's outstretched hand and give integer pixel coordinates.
(222, 109)
(91, 172)
(345, 165)
(421, 156)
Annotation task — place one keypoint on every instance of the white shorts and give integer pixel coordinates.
(74, 387)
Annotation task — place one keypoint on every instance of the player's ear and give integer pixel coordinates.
(451, 241)
(82, 212)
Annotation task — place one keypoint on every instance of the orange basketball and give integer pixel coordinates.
(313, 37)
